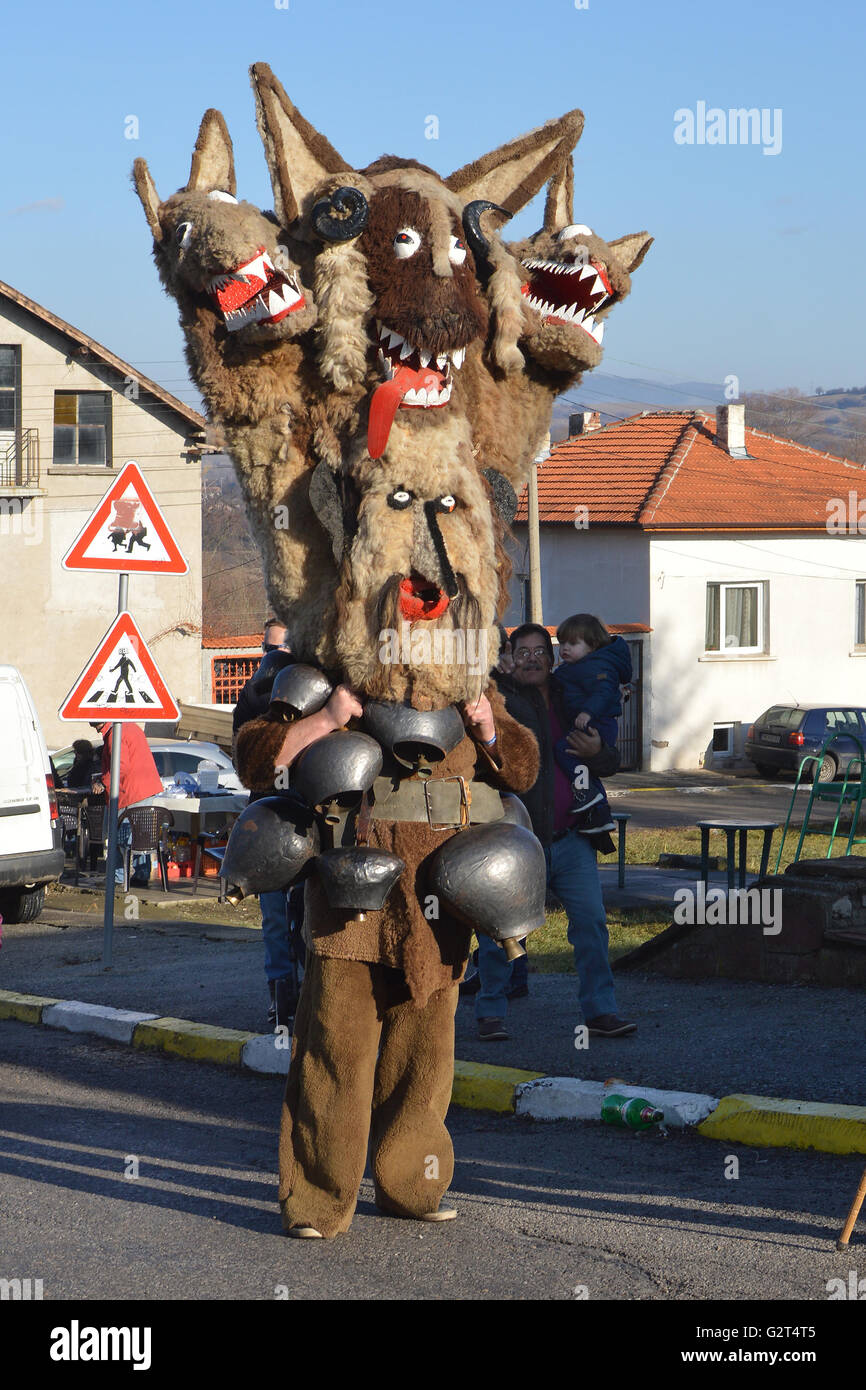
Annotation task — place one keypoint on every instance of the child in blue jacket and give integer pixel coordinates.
(594, 666)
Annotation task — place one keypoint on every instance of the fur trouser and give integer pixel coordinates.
(367, 1066)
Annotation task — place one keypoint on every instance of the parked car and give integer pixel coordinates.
(171, 755)
(784, 734)
(31, 836)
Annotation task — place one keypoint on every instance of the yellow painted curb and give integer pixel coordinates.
(27, 1008)
(482, 1087)
(201, 1042)
(770, 1122)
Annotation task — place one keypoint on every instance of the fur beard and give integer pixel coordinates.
(363, 649)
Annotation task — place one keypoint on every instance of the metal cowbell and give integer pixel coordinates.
(493, 878)
(269, 846)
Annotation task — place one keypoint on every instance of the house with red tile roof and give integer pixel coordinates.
(740, 556)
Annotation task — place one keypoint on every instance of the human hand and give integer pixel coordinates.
(582, 720)
(478, 718)
(343, 706)
(585, 742)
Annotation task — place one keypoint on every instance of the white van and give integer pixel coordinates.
(31, 837)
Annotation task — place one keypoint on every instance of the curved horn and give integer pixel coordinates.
(472, 225)
(331, 227)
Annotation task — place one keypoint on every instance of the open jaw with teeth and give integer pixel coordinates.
(413, 377)
(421, 599)
(255, 292)
(565, 293)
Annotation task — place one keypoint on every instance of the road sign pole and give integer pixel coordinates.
(113, 799)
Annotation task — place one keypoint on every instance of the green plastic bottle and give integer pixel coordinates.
(630, 1112)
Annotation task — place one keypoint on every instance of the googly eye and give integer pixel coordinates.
(406, 243)
(457, 251)
(575, 229)
(218, 196)
(182, 234)
(447, 503)
(400, 500)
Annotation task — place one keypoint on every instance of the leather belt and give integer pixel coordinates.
(445, 803)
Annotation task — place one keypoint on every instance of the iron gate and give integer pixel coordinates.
(631, 720)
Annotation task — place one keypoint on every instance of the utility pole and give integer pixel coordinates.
(535, 608)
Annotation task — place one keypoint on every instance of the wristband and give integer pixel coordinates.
(487, 741)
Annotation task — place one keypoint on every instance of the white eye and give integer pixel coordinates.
(220, 197)
(406, 243)
(576, 229)
(457, 251)
(447, 503)
(400, 499)
(182, 234)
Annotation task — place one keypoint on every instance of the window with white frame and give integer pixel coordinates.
(82, 428)
(735, 618)
(860, 613)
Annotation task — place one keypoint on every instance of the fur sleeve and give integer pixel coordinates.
(257, 745)
(513, 760)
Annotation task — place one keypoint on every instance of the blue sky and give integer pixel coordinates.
(756, 270)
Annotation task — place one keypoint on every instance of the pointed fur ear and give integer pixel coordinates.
(213, 160)
(559, 206)
(632, 249)
(514, 173)
(146, 190)
(298, 157)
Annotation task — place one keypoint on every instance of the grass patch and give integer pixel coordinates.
(550, 953)
(645, 846)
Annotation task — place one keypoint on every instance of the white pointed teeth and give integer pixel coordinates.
(442, 361)
(431, 396)
(599, 332)
(457, 356)
(406, 351)
(425, 357)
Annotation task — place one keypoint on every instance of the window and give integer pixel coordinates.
(229, 675)
(8, 388)
(735, 618)
(723, 740)
(82, 429)
(843, 721)
(860, 613)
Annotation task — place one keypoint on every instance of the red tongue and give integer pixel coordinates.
(386, 401)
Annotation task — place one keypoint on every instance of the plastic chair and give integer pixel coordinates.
(94, 822)
(70, 808)
(201, 847)
(148, 825)
(851, 789)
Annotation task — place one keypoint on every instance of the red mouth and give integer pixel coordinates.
(255, 292)
(421, 600)
(569, 294)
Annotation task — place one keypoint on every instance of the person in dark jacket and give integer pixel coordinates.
(140, 782)
(282, 912)
(85, 765)
(572, 872)
(593, 667)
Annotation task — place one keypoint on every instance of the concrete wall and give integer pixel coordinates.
(53, 619)
(599, 571)
(810, 657)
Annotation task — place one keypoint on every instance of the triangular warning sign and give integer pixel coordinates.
(120, 681)
(127, 533)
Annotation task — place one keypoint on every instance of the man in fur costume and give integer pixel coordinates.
(341, 408)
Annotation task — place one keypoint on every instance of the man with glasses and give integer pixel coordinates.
(572, 871)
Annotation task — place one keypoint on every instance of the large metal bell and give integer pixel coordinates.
(269, 846)
(298, 691)
(494, 878)
(337, 768)
(358, 879)
(515, 811)
(417, 738)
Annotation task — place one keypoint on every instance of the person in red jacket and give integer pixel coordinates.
(140, 782)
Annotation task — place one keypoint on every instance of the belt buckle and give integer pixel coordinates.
(465, 803)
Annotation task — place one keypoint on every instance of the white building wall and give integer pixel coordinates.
(603, 571)
(811, 656)
(51, 619)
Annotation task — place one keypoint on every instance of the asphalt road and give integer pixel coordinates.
(683, 806)
(546, 1212)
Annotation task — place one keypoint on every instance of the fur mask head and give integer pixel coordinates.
(417, 596)
(572, 280)
(396, 278)
(216, 253)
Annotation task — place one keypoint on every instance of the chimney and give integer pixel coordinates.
(583, 422)
(731, 430)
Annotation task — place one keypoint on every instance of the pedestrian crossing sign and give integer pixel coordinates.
(127, 533)
(120, 681)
